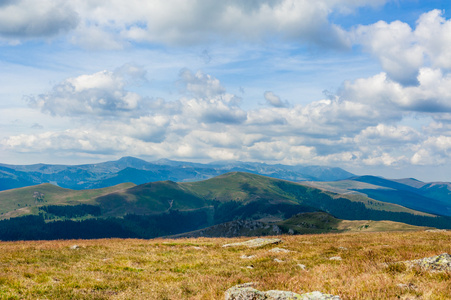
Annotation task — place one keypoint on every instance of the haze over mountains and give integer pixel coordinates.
(130, 169)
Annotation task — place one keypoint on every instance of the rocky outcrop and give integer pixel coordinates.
(235, 229)
(260, 242)
(437, 263)
(247, 292)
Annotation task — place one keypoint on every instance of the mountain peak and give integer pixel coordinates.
(129, 159)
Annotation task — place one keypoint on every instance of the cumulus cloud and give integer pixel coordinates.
(274, 100)
(357, 125)
(388, 135)
(111, 24)
(188, 22)
(31, 19)
(431, 94)
(434, 150)
(99, 94)
(402, 50)
(207, 100)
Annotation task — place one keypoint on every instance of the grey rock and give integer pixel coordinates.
(248, 292)
(437, 263)
(282, 295)
(260, 242)
(335, 258)
(319, 296)
(244, 292)
(244, 256)
(279, 250)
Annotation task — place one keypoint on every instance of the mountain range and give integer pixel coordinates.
(434, 197)
(165, 208)
(137, 171)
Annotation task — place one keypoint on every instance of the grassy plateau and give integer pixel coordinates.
(202, 269)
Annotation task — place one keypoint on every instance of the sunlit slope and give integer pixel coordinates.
(150, 198)
(246, 187)
(21, 201)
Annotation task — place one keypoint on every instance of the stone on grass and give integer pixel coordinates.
(335, 258)
(437, 263)
(318, 296)
(73, 247)
(248, 292)
(244, 291)
(260, 242)
(279, 250)
(278, 260)
(303, 267)
(244, 256)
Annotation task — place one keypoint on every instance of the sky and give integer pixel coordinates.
(360, 84)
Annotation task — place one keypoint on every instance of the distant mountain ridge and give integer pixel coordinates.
(138, 171)
(166, 208)
(434, 197)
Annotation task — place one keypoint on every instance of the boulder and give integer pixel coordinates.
(244, 292)
(260, 242)
(437, 263)
(247, 292)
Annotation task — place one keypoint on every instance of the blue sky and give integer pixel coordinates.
(363, 85)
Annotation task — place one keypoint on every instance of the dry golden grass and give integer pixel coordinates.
(201, 269)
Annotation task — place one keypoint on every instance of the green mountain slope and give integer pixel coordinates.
(21, 201)
(166, 208)
(150, 198)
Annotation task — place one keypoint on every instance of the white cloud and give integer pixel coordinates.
(200, 85)
(113, 24)
(403, 51)
(358, 125)
(209, 102)
(96, 95)
(389, 98)
(434, 150)
(387, 135)
(116, 24)
(274, 100)
(25, 19)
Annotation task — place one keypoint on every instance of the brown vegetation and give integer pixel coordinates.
(202, 269)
